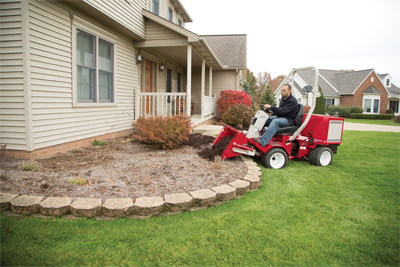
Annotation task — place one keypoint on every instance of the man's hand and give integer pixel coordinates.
(267, 106)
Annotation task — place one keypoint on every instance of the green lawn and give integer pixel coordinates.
(380, 122)
(346, 214)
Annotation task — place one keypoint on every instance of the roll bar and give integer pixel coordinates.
(290, 78)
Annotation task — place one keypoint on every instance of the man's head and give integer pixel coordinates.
(286, 90)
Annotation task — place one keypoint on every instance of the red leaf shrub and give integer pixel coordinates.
(162, 132)
(238, 115)
(231, 97)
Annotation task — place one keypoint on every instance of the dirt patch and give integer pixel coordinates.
(216, 150)
(121, 168)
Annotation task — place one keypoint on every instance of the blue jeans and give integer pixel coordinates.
(273, 124)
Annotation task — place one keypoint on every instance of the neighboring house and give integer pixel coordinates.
(373, 92)
(75, 70)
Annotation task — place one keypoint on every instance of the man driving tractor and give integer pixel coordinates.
(285, 115)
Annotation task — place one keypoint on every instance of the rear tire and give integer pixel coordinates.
(320, 156)
(275, 158)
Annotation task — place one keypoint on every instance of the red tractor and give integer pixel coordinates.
(314, 137)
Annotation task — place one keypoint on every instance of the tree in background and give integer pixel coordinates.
(320, 103)
(274, 83)
(250, 87)
(267, 96)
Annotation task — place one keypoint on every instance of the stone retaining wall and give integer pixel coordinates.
(143, 207)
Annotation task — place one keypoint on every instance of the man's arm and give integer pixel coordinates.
(290, 107)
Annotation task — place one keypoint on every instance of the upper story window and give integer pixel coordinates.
(155, 7)
(170, 14)
(372, 79)
(95, 69)
(180, 22)
(387, 82)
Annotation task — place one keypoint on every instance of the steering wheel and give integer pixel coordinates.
(266, 110)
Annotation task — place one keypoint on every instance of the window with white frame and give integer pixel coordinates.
(155, 7)
(371, 104)
(180, 22)
(394, 105)
(372, 79)
(170, 14)
(329, 102)
(95, 68)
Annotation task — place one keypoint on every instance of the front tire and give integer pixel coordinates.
(275, 158)
(321, 156)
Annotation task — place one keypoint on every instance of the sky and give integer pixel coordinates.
(286, 34)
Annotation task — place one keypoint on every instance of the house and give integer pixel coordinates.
(373, 92)
(72, 71)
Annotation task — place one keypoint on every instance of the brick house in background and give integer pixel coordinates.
(373, 92)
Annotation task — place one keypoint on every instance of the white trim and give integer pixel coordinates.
(371, 97)
(91, 29)
(373, 70)
(27, 76)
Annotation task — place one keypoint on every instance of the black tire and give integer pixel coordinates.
(275, 158)
(320, 156)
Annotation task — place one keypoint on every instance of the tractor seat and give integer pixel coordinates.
(297, 121)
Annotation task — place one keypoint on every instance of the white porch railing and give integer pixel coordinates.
(209, 106)
(160, 104)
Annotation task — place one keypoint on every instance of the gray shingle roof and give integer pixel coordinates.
(371, 90)
(229, 49)
(348, 82)
(394, 90)
(308, 77)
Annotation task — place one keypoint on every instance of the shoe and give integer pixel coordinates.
(257, 141)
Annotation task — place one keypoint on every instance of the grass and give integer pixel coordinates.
(379, 122)
(345, 214)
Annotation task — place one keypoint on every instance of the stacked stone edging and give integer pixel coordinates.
(142, 207)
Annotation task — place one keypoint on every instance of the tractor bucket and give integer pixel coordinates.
(237, 146)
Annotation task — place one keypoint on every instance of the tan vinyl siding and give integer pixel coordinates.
(126, 12)
(157, 32)
(12, 109)
(224, 80)
(55, 119)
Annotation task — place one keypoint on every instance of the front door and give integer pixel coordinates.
(147, 86)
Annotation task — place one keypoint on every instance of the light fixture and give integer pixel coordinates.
(162, 66)
(138, 58)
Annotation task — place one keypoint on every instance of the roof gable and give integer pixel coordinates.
(348, 82)
(229, 49)
(371, 90)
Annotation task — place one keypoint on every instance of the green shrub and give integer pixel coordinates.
(320, 103)
(238, 115)
(356, 109)
(162, 132)
(396, 119)
(29, 167)
(389, 111)
(372, 116)
(344, 111)
(333, 110)
(98, 143)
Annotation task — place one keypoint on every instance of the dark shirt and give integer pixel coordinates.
(288, 109)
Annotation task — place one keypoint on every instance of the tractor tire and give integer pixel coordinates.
(320, 156)
(275, 158)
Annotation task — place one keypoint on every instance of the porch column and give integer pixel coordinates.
(210, 82)
(203, 85)
(189, 80)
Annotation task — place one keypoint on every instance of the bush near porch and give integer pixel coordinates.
(231, 97)
(238, 115)
(162, 132)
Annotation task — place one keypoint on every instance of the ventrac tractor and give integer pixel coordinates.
(313, 137)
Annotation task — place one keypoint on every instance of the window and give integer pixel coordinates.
(171, 14)
(180, 22)
(376, 105)
(367, 105)
(329, 102)
(387, 82)
(169, 83)
(372, 79)
(155, 7)
(95, 69)
(394, 105)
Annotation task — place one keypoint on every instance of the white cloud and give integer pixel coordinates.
(341, 34)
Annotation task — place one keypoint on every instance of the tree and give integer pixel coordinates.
(274, 83)
(262, 80)
(267, 96)
(320, 103)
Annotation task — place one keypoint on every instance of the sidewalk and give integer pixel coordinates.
(212, 130)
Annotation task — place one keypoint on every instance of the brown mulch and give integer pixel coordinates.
(123, 168)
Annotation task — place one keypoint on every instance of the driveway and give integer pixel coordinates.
(370, 127)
